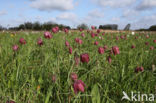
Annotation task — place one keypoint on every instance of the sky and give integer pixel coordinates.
(139, 13)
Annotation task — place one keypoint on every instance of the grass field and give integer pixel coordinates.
(42, 73)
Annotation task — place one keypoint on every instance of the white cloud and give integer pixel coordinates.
(146, 4)
(3, 13)
(94, 17)
(50, 5)
(145, 22)
(114, 3)
(130, 13)
(96, 13)
(68, 18)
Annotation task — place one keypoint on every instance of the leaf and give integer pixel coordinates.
(95, 94)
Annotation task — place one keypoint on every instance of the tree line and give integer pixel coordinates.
(49, 25)
(36, 26)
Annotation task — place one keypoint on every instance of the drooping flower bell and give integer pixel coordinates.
(40, 42)
(73, 76)
(96, 43)
(133, 46)
(84, 58)
(15, 47)
(83, 35)
(70, 50)
(79, 86)
(67, 44)
(115, 50)
(151, 48)
(101, 50)
(139, 69)
(93, 27)
(47, 35)
(10, 101)
(109, 59)
(105, 47)
(22, 41)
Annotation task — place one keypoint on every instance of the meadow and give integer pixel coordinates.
(75, 67)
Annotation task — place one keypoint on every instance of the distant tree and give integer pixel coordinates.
(21, 27)
(152, 28)
(101, 27)
(1, 28)
(82, 26)
(48, 25)
(37, 26)
(61, 26)
(142, 29)
(28, 25)
(68, 27)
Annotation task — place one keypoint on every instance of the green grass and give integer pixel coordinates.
(31, 66)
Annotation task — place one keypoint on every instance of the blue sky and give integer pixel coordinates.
(139, 13)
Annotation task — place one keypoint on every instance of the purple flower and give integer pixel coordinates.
(67, 43)
(98, 31)
(92, 35)
(22, 41)
(96, 43)
(83, 35)
(146, 43)
(93, 27)
(70, 50)
(115, 50)
(105, 47)
(40, 42)
(77, 60)
(133, 46)
(10, 101)
(109, 59)
(15, 47)
(53, 78)
(47, 35)
(101, 50)
(151, 48)
(73, 76)
(84, 58)
(79, 86)
(139, 69)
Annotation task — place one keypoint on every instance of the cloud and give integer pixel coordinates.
(94, 17)
(114, 3)
(96, 14)
(3, 13)
(129, 13)
(68, 17)
(51, 5)
(145, 22)
(146, 4)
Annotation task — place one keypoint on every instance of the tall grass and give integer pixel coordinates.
(26, 75)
